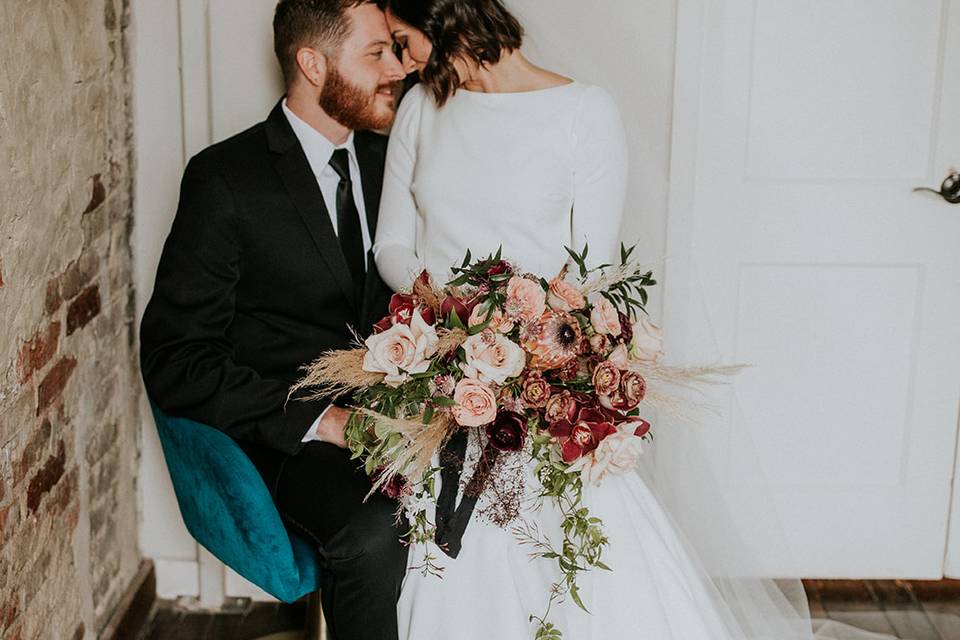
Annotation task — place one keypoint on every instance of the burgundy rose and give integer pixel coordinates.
(500, 268)
(536, 391)
(606, 378)
(581, 436)
(463, 308)
(508, 431)
(392, 488)
(560, 406)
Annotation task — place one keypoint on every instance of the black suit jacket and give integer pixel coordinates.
(252, 285)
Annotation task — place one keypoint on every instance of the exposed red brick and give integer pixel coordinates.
(47, 478)
(31, 452)
(53, 385)
(98, 196)
(38, 351)
(78, 275)
(53, 300)
(85, 308)
(65, 494)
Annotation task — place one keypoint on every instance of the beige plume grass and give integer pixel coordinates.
(335, 373)
(411, 455)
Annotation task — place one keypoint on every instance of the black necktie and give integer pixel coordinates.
(348, 219)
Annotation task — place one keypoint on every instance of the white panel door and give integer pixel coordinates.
(800, 129)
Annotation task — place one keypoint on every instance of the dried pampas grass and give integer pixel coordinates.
(411, 455)
(335, 373)
(663, 382)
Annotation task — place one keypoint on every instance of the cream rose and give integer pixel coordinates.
(492, 357)
(476, 405)
(616, 454)
(605, 318)
(563, 296)
(401, 350)
(647, 343)
(526, 299)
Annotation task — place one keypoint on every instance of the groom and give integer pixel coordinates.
(267, 265)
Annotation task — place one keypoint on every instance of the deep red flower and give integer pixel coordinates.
(500, 268)
(463, 308)
(394, 487)
(401, 310)
(642, 427)
(508, 431)
(582, 435)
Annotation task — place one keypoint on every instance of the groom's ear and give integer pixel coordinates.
(313, 66)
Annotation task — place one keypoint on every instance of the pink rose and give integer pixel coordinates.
(526, 299)
(606, 379)
(616, 454)
(476, 405)
(563, 296)
(492, 357)
(605, 318)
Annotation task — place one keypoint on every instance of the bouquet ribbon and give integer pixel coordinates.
(452, 519)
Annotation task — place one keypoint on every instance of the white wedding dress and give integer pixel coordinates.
(532, 172)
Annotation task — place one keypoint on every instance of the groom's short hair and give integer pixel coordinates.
(322, 24)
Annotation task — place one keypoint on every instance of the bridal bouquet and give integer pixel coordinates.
(558, 371)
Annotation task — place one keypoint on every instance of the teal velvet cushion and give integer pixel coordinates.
(228, 509)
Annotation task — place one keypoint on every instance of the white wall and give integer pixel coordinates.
(204, 69)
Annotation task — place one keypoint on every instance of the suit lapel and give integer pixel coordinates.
(302, 187)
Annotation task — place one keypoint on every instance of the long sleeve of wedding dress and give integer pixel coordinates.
(529, 172)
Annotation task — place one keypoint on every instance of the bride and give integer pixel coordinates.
(489, 151)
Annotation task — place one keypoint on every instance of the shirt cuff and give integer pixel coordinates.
(311, 435)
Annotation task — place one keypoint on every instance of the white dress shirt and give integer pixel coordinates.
(319, 150)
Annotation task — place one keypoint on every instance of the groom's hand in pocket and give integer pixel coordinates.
(332, 426)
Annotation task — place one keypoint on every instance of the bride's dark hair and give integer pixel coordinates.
(478, 30)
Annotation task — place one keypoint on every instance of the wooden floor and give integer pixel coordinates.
(909, 610)
(914, 610)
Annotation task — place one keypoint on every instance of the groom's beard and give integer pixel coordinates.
(353, 106)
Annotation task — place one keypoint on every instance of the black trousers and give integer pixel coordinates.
(319, 493)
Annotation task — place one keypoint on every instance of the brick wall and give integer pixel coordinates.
(68, 381)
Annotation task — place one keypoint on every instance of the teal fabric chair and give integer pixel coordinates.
(228, 509)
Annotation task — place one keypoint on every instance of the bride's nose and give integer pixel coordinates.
(409, 64)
